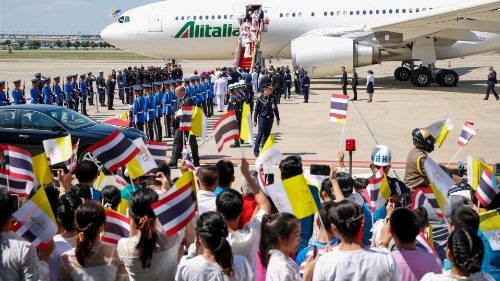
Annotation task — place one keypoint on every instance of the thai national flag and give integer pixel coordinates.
(425, 194)
(18, 168)
(468, 131)
(186, 119)
(485, 190)
(186, 156)
(114, 151)
(71, 163)
(158, 150)
(226, 129)
(177, 208)
(117, 227)
(338, 108)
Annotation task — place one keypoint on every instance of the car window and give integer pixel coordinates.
(34, 120)
(8, 119)
(70, 118)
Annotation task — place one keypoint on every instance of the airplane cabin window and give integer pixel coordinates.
(417, 10)
(383, 12)
(377, 12)
(338, 13)
(281, 15)
(182, 18)
(213, 17)
(397, 11)
(390, 11)
(345, 13)
(403, 11)
(312, 14)
(206, 17)
(188, 17)
(287, 14)
(300, 14)
(351, 13)
(325, 14)
(231, 16)
(410, 10)
(424, 9)
(127, 19)
(357, 12)
(219, 17)
(364, 12)
(293, 14)
(370, 12)
(194, 17)
(176, 18)
(225, 17)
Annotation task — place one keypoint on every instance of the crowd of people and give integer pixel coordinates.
(239, 234)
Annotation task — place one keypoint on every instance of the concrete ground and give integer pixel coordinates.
(305, 129)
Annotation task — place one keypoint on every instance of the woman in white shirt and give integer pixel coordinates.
(370, 84)
(216, 263)
(149, 254)
(91, 259)
(352, 260)
(279, 238)
(465, 252)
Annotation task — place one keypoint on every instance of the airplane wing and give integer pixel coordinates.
(457, 19)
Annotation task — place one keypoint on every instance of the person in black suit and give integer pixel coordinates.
(492, 80)
(354, 84)
(344, 81)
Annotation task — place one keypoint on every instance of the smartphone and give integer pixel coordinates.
(55, 172)
(269, 179)
(315, 251)
(320, 170)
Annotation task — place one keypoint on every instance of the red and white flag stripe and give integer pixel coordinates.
(226, 129)
(158, 150)
(114, 151)
(468, 131)
(117, 227)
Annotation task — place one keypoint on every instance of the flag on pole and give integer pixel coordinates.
(186, 117)
(293, 196)
(35, 221)
(423, 243)
(489, 224)
(422, 195)
(246, 129)
(117, 227)
(440, 129)
(18, 163)
(104, 180)
(268, 156)
(468, 131)
(176, 209)
(42, 171)
(378, 190)
(226, 129)
(73, 161)
(119, 177)
(186, 157)
(158, 150)
(142, 163)
(114, 151)
(14, 185)
(338, 108)
(58, 150)
(199, 123)
(440, 181)
(475, 167)
(485, 190)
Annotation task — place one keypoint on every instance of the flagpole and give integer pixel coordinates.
(342, 135)
(324, 229)
(454, 156)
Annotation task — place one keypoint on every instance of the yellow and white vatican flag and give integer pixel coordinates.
(246, 129)
(142, 163)
(58, 150)
(440, 129)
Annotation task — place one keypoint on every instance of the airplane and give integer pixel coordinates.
(320, 35)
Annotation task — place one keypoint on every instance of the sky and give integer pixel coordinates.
(60, 16)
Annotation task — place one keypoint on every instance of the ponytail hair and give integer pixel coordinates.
(212, 229)
(279, 225)
(89, 217)
(467, 250)
(145, 220)
(347, 217)
(68, 203)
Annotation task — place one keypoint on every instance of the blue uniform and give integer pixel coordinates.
(83, 95)
(58, 94)
(159, 104)
(76, 95)
(3, 99)
(150, 107)
(199, 93)
(232, 103)
(265, 110)
(47, 94)
(17, 95)
(138, 109)
(35, 95)
(68, 89)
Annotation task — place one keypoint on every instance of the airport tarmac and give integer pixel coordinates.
(306, 130)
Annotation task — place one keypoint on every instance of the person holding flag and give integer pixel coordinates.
(381, 159)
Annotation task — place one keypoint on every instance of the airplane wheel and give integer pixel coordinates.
(402, 74)
(447, 78)
(421, 77)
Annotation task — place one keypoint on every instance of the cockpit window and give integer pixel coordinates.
(123, 19)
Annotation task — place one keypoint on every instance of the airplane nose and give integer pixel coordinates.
(106, 33)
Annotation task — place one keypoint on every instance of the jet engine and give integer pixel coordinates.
(324, 55)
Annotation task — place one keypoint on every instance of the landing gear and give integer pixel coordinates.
(421, 77)
(447, 78)
(402, 73)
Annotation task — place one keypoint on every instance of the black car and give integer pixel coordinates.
(27, 125)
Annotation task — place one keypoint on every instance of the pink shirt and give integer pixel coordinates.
(414, 264)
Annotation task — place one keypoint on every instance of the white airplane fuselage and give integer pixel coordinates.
(198, 30)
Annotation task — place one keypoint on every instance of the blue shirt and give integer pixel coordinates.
(58, 93)
(3, 99)
(83, 88)
(96, 195)
(138, 109)
(307, 223)
(17, 95)
(35, 94)
(491, 260)
(150, 106)
(218, 190)
(159, 104)
(68, 89)
(47, 94)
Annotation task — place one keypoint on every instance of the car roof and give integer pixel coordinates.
(37, 107)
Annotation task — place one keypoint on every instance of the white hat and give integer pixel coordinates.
(381, 155)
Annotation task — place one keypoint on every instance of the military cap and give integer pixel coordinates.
(178, 81)
(267, 85)
(82, 75)
(186, 80)
(46, 79)
(2, 82)
(89, 73)
(230, 87)
(203, 76)
(146, 86)
(17, 81)
(100, 71)
(38, 74)
(137, 88)
(57, 77)
(158, 83)
(34, 80)
(68, 77)
(168, 82)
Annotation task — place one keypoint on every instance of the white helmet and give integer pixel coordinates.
(381, 155)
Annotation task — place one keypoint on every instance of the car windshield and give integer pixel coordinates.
(71, 119)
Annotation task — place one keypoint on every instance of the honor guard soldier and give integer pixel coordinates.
(47, 91)
(36, 96)
(158, 112)
(306, 84)
(150, 111)
(119, 82)
(198, 91)
(58, 91)
(110, 91)
(167, 106)
(76, 91)
(101, 87)
(90, 85)
(138, 108)
(232, 105)
(17, 93)
(68, 89)
(266, 108)
(38, 77)
(83, 93)
(181, 137)
(3, 96)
